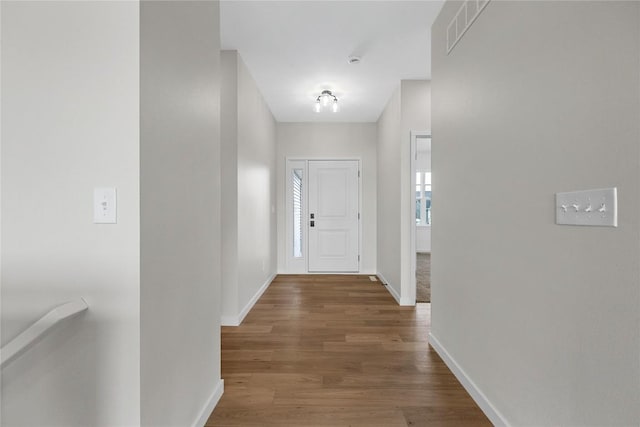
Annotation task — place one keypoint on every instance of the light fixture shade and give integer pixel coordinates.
(324, 99)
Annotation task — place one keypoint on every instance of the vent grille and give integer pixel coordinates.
(462, 20)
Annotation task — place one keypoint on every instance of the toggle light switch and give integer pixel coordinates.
(583, 211)
(104, 206)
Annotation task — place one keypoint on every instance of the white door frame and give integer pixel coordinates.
(412, 211)
(290, 264)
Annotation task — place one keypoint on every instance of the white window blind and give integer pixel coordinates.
(297, 213)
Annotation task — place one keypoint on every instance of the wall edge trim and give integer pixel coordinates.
(210, 405)
(389, 288)
(227, 320)
(230, 320)
(247, 308)
(496, 418)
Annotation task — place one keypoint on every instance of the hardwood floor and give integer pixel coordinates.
(336, 351)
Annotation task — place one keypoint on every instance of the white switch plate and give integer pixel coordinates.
(590, 207)
(104, 206)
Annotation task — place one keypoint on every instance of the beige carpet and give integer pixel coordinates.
(423, 278)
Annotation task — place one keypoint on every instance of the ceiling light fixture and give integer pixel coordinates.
(324, 99)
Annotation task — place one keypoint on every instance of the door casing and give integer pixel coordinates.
(412, 200)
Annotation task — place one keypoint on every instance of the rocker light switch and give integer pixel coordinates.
(104, 206)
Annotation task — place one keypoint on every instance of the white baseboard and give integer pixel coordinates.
(407, 301)
(390, 289)
(476, 394)
(393, 293)
(237, 320)
(210, 405)
(332, 273)
(229, 320)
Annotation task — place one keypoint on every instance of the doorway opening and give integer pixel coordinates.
(421, 185)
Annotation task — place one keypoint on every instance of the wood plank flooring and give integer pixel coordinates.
(336, 351)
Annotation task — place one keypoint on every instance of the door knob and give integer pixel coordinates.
(312, 224)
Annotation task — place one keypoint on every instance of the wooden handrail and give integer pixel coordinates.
(35, 332)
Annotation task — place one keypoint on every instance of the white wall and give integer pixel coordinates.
(407, 110)
(70, 122)
(229, 176)
(180, 207)
(539, 98)
(249, 185)
(415, 100)
(388, 186)
(257, 236)
(331, 141)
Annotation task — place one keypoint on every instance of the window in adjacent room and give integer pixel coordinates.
(423, 198)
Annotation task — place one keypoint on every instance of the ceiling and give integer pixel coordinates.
(296, 49)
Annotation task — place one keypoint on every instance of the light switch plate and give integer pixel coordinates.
(104, 206)
(590, 207)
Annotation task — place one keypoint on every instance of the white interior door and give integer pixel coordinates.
(333, 216)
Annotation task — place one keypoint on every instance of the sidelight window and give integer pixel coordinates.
(296, 178)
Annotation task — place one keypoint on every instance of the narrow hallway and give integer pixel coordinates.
(336, 351)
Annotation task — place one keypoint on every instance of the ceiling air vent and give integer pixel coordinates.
(462, 20)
